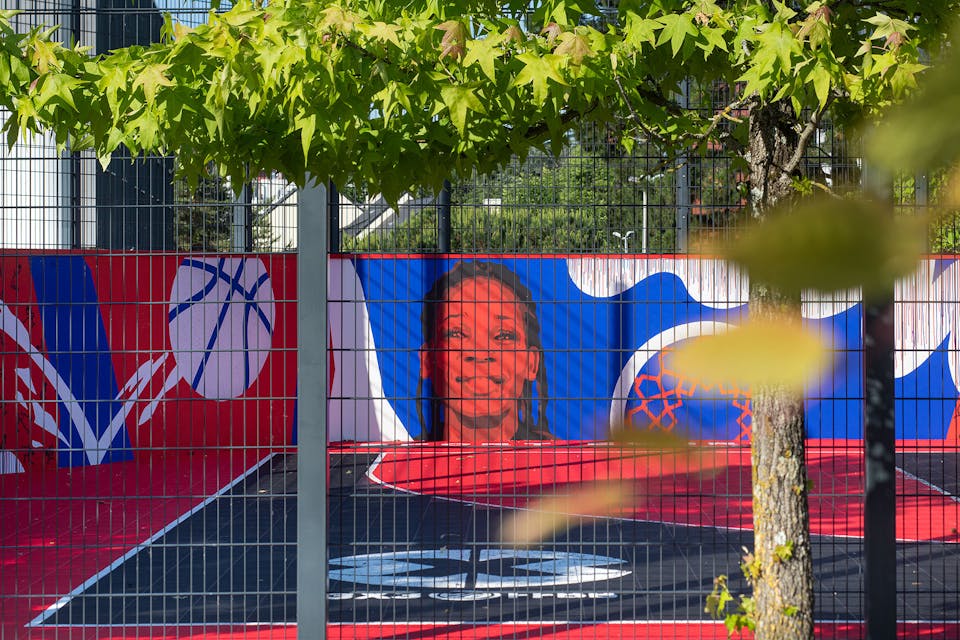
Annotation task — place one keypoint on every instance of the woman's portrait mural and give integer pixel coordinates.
(482, 358)
(502, 349)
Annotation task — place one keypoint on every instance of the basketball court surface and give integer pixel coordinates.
(414, 545)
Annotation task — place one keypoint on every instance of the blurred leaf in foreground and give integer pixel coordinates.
(924, 132)
(950, 196)
(757, 353)
(549, 515)
(655, 440)
(831, 244)
(673, 450)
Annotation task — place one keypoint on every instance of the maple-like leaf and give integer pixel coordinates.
(151, 79)
(574, 45)
(460, 100)
(454, 40)
(538, 71)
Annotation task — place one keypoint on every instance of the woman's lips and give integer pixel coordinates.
(480, 385)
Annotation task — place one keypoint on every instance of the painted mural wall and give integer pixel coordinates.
(105, 357)
(537, 348)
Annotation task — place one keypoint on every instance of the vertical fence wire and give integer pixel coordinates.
(149, 378)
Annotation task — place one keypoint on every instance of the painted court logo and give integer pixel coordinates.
(221, 323)
(489, 569)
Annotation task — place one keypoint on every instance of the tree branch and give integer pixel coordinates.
(722, 114)
(541, 128)
(811, 127)
(633, 113)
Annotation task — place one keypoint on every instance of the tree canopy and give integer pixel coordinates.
(393, 95)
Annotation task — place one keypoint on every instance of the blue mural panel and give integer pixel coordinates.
(601, 330)
(77, 348)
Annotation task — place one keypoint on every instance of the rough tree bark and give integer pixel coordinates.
(781, 568)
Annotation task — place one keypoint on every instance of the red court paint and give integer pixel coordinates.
(709, 488)
(619, 631)
(428, 631)
(75, 522)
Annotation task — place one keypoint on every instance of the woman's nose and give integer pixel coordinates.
(477, 355)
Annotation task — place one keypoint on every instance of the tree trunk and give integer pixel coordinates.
(781, 568)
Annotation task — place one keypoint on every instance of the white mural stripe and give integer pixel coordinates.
(11, 325)
(713, 283)
(168, 384)
(358, 408)
(136, 384)
(24, 374)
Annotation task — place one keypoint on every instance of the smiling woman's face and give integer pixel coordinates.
(478, 360)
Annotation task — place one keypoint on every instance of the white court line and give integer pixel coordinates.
(371, 474)
(164, 625)
(928, 485)
(652, 623)
(449, 623)
(59, 604)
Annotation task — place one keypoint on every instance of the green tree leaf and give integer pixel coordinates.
(538, 71)
(574, 45)
(151, 78)
(461, 100)
(483, 51)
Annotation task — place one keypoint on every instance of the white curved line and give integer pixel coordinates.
(9, 463)
(362, 410)
(11, 325)
(168, 384)
(136, 384)
(647, 351)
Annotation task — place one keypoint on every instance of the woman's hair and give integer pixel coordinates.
(460, 272)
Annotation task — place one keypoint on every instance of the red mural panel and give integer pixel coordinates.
(151, 352)
(28, 410)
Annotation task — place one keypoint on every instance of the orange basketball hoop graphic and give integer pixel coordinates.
(662, 393)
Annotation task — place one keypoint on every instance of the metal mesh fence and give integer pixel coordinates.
(149, 377)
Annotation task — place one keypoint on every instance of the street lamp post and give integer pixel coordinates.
(626, 240)
(646, 180)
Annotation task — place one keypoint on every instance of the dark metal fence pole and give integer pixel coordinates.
(76, 220)
(248, 217)
(683, 185)
(921, 193)
(312, 363)
(75, 167)
(443, 219)
(879, 442)
(334, 205)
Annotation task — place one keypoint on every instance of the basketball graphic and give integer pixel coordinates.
(221, 322)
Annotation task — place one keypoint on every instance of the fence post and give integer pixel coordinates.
(242, 240)
(683, 185)
(312, 354)
(879, 446)
(74, 234)
(334, 204)
(921, 193)
(443, 219)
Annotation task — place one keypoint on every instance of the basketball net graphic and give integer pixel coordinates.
(662, 395)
